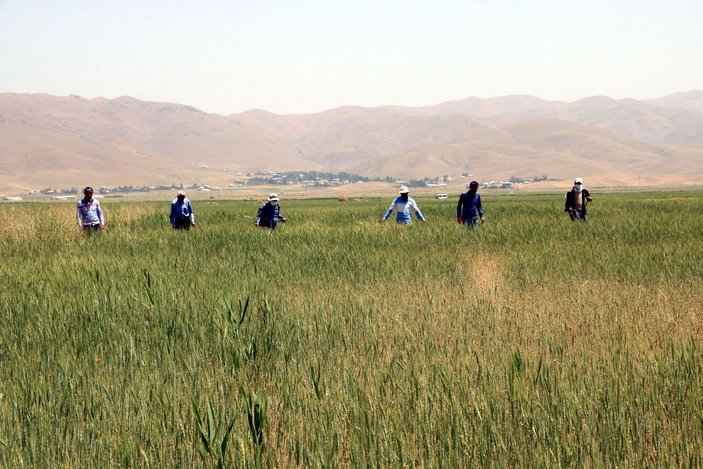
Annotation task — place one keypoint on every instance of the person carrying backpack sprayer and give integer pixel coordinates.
(469, 210)
(576, 200)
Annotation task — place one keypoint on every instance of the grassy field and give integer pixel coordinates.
(337, 341)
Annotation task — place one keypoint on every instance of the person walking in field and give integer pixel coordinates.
(182, 216)
(89, 213)
(576, 200)
(270, 213)
(404, 205)
(469, 210)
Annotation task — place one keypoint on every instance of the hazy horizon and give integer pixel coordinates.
(351, 104)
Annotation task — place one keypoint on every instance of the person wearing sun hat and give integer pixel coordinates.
(576, 200)
(404, 205)
(270, 213)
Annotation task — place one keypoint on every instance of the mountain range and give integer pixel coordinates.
(51, 141)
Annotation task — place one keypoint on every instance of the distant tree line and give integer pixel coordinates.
(429, 181)
(312, 177)
(520, 180)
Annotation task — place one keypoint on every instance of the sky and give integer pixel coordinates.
(297, 56)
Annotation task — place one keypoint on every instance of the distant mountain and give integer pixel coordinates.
(673, 119)
(685, 101)
(505, 106)
(70, 141)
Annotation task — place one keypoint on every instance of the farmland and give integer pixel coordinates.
(531, 341)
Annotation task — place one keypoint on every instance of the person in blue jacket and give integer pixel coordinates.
(404, 205)
(469, 210)
(182, 216)
(270, 214)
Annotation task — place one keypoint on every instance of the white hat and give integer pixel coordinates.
(273, 197)
(578, 181)
(403, 190)
(181, 193)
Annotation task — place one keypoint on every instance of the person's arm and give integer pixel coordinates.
(418, 213)
(172, 215)
(388, 212)
(458, 208)
(258, 215)
(587, 195)
(567, 203)
(479, 206)
(101, 215)
(79, 218)
(192, 214)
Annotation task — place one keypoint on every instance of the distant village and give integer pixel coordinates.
(320, 179)
(268, 178)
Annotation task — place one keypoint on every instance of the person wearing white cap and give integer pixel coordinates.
(270, 213)
(404, 205)
(576, 200)
(182, 216)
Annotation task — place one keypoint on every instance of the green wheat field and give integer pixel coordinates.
(338, 341)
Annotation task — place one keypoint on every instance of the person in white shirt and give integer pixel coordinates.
(404, 205)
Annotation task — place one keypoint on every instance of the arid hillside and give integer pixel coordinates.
(50, 141)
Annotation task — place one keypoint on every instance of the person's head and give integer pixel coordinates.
(578, 183)
(273, 199)
(88, 193)
(181, 196)
(473, 186)
(403, 192)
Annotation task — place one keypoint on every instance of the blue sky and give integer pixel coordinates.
(309, 56)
